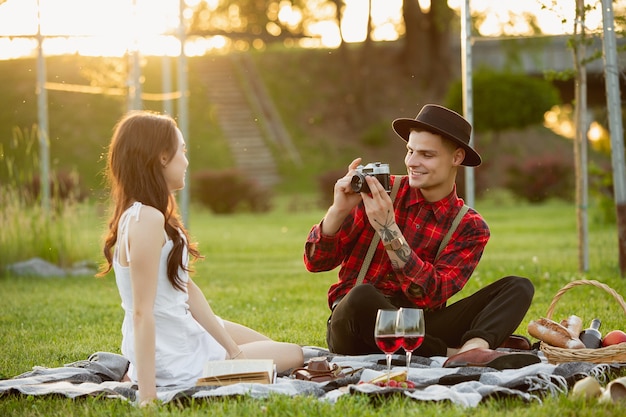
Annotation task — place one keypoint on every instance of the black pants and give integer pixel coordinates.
(492, 313)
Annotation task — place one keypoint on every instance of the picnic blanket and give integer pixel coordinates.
(100, 375)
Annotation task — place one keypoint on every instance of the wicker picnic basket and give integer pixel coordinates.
(556, 355)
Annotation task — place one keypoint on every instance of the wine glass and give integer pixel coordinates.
(410, 326)
(385, 333)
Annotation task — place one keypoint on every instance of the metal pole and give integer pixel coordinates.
(134, 79)
(611, 74)
(42, 115)
(166, 80)
(183, 123)
(134, 84)
(580, 142)
(468, 110)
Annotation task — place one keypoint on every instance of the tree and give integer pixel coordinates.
(427, 51)
(578, 43)
(253, 22)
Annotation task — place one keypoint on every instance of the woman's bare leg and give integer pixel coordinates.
(242, 334)
(285, 355)
(258, 346)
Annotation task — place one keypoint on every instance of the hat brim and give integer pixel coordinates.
(403, 128)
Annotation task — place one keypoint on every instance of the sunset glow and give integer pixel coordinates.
(114, 27)
(99, 28)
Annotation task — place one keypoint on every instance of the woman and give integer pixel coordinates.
(169, 330)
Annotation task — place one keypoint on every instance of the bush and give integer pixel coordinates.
(504, 101)
(601, 188)
(64, 186)
(541, 178)
(227, 191)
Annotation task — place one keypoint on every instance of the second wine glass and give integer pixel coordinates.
(410, 327)
(386, 335)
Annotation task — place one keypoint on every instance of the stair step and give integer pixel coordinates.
(241, 126)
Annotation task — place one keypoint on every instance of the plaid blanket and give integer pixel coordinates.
(101, 373)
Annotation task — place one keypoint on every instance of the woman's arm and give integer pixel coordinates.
(202, 312)
(146, 241)
(240, 341)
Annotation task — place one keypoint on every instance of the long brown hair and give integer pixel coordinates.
(135, 173)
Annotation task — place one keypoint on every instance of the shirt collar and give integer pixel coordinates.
(439, 208)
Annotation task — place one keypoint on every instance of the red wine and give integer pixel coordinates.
(389, 344)
(411, 343)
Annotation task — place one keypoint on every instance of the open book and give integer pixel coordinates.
(227, 372)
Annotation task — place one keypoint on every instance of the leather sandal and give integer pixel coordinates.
(517, 342)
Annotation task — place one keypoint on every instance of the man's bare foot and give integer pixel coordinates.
(474, 343)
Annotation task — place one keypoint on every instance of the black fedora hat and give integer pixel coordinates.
(442, 121)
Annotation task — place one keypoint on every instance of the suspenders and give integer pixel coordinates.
(372, 248)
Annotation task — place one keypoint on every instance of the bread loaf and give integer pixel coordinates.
(554, 334)
(574, 324)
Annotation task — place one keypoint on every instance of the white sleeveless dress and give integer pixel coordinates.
(182, 344)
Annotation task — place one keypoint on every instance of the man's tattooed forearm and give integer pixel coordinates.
(385, 232)
(404, 253)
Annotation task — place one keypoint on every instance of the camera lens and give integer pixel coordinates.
(359, 184)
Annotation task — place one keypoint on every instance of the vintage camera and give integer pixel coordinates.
(374, 169)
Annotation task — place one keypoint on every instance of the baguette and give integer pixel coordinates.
(554, 334)
(574, 324)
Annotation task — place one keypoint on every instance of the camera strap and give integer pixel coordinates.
(374, 243)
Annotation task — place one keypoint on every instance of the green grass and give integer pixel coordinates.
(61, 235)
(253, 274)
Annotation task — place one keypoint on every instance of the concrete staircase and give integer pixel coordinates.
(245, 117)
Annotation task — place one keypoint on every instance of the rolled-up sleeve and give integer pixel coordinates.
(321, 252)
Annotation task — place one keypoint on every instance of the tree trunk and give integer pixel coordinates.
(416, 47)
(358, 72)
(362, 101)
(346, 84)
(339, 4)
(427, 52)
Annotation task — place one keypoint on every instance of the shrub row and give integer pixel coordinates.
(228, 191)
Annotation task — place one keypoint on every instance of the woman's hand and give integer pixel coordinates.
(151, 401)
(238, 355)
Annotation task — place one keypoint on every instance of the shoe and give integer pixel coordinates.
(615, 391)
(588, 387)
(516, 342)
(492, 359)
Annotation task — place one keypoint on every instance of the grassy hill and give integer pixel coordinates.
(309, 87)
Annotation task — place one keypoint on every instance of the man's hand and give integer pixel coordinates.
(379, 209)
(344, 200)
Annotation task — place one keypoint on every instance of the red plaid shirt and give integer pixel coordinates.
(426, 284)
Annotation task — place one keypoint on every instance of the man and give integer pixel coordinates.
(405, 269)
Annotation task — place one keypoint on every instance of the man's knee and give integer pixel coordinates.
(363, 293)
(525, 286)
(521, 287)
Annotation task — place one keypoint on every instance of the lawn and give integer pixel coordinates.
(253, 274)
